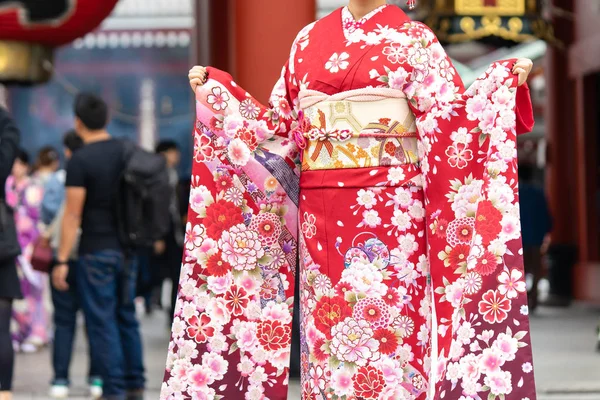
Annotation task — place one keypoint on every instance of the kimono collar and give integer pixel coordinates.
(350, 24)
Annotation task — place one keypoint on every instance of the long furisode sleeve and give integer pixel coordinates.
(232, 326)
(480, 340)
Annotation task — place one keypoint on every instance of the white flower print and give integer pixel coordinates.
(218, 99)
(396, 175)
(507, 345)
(365, 278)
(249, 109)
(193, 236)
(401, 220)
(462, 135)
(511, 284)
(408, 243)
(465, 333)
(371, 218)
(499, 383)
(366, 198)
(337, 62)
(238, 152)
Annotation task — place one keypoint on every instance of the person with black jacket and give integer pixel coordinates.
(10, 289)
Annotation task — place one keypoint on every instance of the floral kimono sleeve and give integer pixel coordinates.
(480, 340)
(232, 325)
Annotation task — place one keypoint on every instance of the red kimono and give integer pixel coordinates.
(405, 220)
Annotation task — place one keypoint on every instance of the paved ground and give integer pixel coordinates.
(567, 368)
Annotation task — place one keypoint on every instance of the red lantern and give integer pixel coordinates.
(30, 29)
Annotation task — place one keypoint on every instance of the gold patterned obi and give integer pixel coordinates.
(356, 129)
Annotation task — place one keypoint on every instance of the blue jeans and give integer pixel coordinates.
(107, 289)
(66, 306)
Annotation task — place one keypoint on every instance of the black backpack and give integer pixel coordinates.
(143, 198)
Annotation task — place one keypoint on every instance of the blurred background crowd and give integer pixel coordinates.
(134, 56)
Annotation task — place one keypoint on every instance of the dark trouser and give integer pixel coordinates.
(107, 290)
(7, 355)
(170, 264)
(533, 265)
(66, 305)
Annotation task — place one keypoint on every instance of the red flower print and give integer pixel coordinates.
(269, 288)
(486, 264)
(203, 150)
(216, 123)
(494, 307)
(458, 255)
(372, 310)
(341, 289)
(318, 351)
(390, 149)
(273, 335)
(487, 222)
(416, 30)
(330, 311)
(236, 300)
(464, 232)
(268, 225)
(388, 342)
(247, 136)
(460, 231)
(199, 329)
(220, 216)
(216, 266)
(392, 297)
(440, 227)
(224, 182)
(368, 383)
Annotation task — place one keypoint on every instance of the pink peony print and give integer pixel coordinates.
(353, 342)
(241, 247)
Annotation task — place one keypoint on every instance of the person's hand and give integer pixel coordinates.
(159, 247)
(197, 77)
(522, 68)
(59, 277)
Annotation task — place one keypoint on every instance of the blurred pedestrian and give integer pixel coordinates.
(24, 195)
(167, 252)
(536, 223)
(66, 303)
(105, 283)
(10, 288)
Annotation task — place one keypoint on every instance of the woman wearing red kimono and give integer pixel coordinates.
(405, 220)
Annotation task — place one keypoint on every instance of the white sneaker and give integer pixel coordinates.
(29, 348)
(96, 389)
(59, 391)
